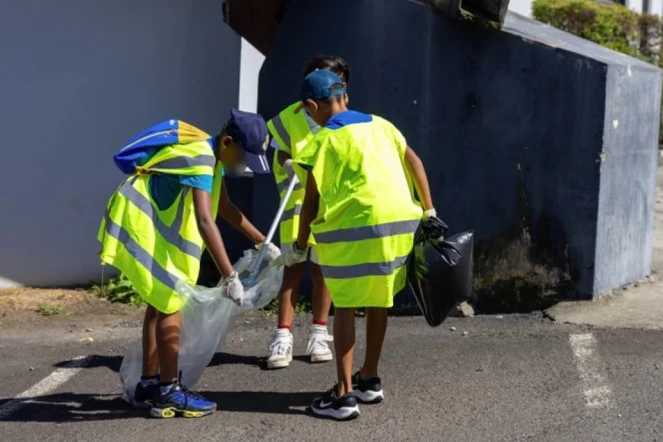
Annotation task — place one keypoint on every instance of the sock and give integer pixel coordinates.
(320, 323)
(284, 327)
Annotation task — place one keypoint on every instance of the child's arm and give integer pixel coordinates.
(433, 226)
(309, 212)
(285, 160)
(282, 157)
(202, 202)
(416, 169)
(233, 216)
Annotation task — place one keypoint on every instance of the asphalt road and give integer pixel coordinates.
(514, 378)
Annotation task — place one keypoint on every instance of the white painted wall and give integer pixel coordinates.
(252, 61)
(77, 80)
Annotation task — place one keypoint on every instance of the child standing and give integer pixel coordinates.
(292, 131)
(361, 209)
(156, 226)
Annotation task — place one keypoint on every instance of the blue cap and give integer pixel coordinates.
(321, 84)
(250, 132)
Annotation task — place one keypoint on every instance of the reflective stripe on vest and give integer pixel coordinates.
(292, 132)
(368, 214)
(170, 233)
(291, 213)
(180, 163)
(365, 269)
(140, 254)
(367, 232)
(283, 186)
(281, 132)
(155, 248)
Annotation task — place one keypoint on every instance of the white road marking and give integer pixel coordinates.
(598, 393)
(45, 386)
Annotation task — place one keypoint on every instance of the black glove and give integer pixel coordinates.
(434, 227)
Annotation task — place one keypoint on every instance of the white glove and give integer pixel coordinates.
(232, 288)
(293, 256)
(289, 170)
(430, 213)
(272, 252)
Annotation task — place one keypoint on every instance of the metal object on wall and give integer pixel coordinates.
(544, 143)
(257, 21)
(487, 12)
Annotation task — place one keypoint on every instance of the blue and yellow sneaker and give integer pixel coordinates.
(147, 391)
(175, 400)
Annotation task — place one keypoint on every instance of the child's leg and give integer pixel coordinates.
(289, 294)
(280, 347)
(340, 404)
(321, 296)
(150, 354)
(168, 345)
(147, 390)
(376, 328)
(344, 344)
(173, 399)
(318, 339)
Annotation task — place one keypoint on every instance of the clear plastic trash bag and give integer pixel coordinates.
(206, 320)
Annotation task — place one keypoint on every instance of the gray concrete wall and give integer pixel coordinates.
(77, 79)
(625, 231)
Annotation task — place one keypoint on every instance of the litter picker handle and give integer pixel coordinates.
(270, 235)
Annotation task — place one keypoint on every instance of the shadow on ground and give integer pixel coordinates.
(80, 407)
(74, 407)
(114, 363)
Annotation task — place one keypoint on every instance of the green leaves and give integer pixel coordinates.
(47, 309)
(611, 25)
(119, 290)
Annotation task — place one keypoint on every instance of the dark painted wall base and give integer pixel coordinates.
(542, 142)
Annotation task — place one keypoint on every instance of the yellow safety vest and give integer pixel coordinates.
(364, 231)
(292, 133)
(155, 248)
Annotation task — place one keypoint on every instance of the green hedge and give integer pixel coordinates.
(611, 25)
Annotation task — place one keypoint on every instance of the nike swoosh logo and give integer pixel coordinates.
(324, 404)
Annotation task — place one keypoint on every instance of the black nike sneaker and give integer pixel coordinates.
(367, 391)
(341, 409)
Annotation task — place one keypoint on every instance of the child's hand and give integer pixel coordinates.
(294, 256)
(272, 252)
(232, 288)
(433, 226)
(287, 165)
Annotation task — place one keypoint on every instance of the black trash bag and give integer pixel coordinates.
(440, 273)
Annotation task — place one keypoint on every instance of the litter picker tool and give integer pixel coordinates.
(251, 280)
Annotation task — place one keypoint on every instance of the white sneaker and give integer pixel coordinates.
(318, 344)
(280, 349)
